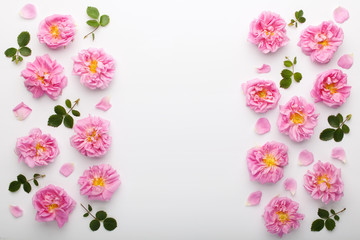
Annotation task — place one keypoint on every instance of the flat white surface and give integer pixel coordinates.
(179, 122)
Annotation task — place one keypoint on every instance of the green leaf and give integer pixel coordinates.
(93, 36)
(60, 110)
(302, 19)
(10, 52)
(89, 207)
(27, 187)
(94, 225)
(338, 135)
(323, 213)
(332, 211)
(93, 23)
(93, 12)
(286, 73)
(101, 215)
(104, 20)
(68, 103)
(75, 113)
(330, 224)
(296, 14)
(21, 178)
(19, 59)
(295, 60)
(25, 51)
(14, 186)
(333, 121)
(23, 39)
(55, 120)
(297, 77)
(340, 117)
(36, 175)
(336, 217)
(110, 224)
(13, 58)
(36, 182)
(345, 128)
(287, 63)
(86, 215)
(300, 13)
(317, 225)
(285, 83)
(68, 121)
(348, 117)
(327, 134)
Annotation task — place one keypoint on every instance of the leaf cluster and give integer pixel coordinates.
(95, 22)
(287, 74)
(100, 216)
(298, 19)
(339, 128)
(326, 220)
(14, 53)
(61, 115)
(21, 180)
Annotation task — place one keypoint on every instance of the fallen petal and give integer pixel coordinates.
(341, 15)
(254, 198)
(16, 211)
(339, 154)
(306, 158)
(67, 169)
(346, 61)
(262, 126)
(22, 111)
(104, 104)
(264, 69)
(28, 11)
(290, 185)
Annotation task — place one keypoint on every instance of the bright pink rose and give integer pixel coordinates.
(321, 42)
(324, 182)
(37, 149)
(95, 67)
(56, 31)
(331, 88)
(268, 32)
(297, 119)
(44, 76)
(53, 203)
(99, 182)
(266, 163)
(261, 95)
(281, 216)
(91, 138)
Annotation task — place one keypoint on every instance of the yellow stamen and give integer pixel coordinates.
(93, 66)
(269, 160)
(262, 94)
(324, 43)
(39, 149)
(93, 135)
(297, 118)
(52, 207)
(40, 78)
(283, 216)
(98, 182)
(323, 179)
(331, 87)
(54, 30)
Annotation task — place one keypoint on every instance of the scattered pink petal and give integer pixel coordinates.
(254, 198)
(262, 126)
(264, 69)
(346, 61)
(22, 111)
(306, 158)
(104, 104)
(67, 169)
(28, 11)
(341, 15)
(339, 154)
(290, 185)
(16, 211)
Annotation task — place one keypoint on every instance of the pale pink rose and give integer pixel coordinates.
(99, 182)
(264, 69)
(95, 68)
(305, 158)
(104, 104)
(67, 169)
(44, 76)
(281, 216)
(22, 111)
(290, 185)
(341, 14)
(28, 11)
(268, 32)
(346, 61)
(324, 182)
(53, 203)
(261, 95)
(339, 154)
(56, 31)
(321, 42)
(262, 126)
(265, 164)
(37, 149)
(254, 198)
(91, 136)
(16, 211)
(331, 88)
(297, 119)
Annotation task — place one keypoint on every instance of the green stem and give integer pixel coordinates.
(91, 31)
(338, 212)
(41, 176)
(87, 211)
(346, 119)
(75, 103)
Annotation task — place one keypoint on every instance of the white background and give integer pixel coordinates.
(179, 122)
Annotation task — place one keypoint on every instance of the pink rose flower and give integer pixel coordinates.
(297, 119)
(281, 216)
(95, 67)
(265, 164)
(324, 182)
(261, 95)
(53, 203)
(99, 182)
(268, 32)
(321, 42)
(37, 149)
(331, 88)
(56, 31)
(91, 136)
(44, 76)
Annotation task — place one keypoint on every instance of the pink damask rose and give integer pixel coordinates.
(265, 164)
(268, 32)
(91, 137)
(99, 182)
(44, 76)
(297, 119)
(261, 95)
(281, 216)
(331, 88)
(95, 68)
(56, 31)
(37, 149)
(321, 42)
(324, 182)
(53, 203)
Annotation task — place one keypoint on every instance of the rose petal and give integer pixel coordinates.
(264, 69)
(346, 61)
(22, 111)
(262, 126)
(306, 158)
(254, 198)
(67, 169)
(16, 211)
(339, 154)
(341, 15)
(290, 184)
(104, 104)
(28, 11)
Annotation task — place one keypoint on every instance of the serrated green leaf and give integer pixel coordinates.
(25, 51)
(93, 12)
(94, 225)
(27, 187)
(68, 103)
(21, 178)
(340, 117)
(330, 224)
(327, 134)
(287, 63)
(333, 121)
(338, 135)
(323, 213)
(86, 215)
(60, 110)
(317, 225)
(104, 20)
(302, 19)
(68, 121)
(14, 186)
(295, 60)
(336, 217)
(10, 52)
(101, 215)
(93, 23)
(89, 207)
(75, 113)
(345, 128)
(55, 120)
(297, 77)
(36, 182)
(286, 73)
(23, 39)
(285, 83)
(110, 224)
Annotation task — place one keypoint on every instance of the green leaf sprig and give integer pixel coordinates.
(326, 220)
(21, 180)
(23, 40)
(61, 115)
(338, 130)
(287, 74)
(93, 12)
(100, 216)
(298, 19)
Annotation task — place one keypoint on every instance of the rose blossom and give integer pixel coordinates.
(37, 149)
(331, 88)
(99, 182)
(95, 67)
(91, 136)
(268, 32)
(56, 31)
(44, 76)
(324, 182)
(321, 42)
(53, 203)
(265, 164)
(261, 95)
(281, 216)
(297, 119)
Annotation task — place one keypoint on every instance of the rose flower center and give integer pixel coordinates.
(262, 94)
(283, 216)
(54, 30)
(39, 149)
(297, 118)
(52, 207)
(93, 66)
(331, 87)
(98, 182)
(269, 160)
(323, 179)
